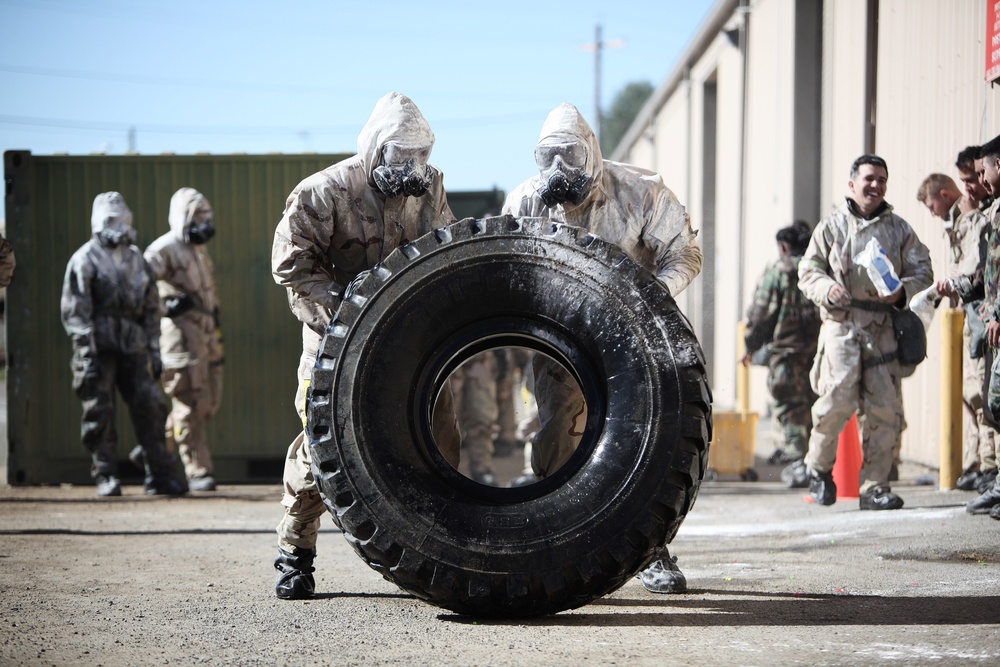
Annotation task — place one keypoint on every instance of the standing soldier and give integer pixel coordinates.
(985, 284)
(624, 205)
(474, 386)
(111, 312)
(338, 224)
(967, 230)
(785, 321)
(856, 369)
(190, 337)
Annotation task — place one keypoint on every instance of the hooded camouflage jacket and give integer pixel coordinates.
(109, 301)
(835, 243)
(337, 223)
(183, 268)
(628, 206)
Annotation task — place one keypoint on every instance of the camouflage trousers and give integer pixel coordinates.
(301, 500)
(978, 437)
(562, 416)
(195, 393)
(846, 380)
(130, 373)
(474, 386)
(788, 383)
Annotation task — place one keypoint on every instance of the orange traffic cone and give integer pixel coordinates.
(848, 463)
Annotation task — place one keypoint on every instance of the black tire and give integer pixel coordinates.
(553, 545)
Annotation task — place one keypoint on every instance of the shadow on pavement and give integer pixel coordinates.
(788, 610)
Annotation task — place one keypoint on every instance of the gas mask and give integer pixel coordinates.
(403, 171)
(562, 173)
(409, 179)
(116, 234)
(562, 187)
(200, 232)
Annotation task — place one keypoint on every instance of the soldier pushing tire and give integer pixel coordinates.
(580, 532)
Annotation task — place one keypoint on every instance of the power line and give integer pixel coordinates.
(66, 123)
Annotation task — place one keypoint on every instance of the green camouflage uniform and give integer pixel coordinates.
(985, 284)
(783, 319)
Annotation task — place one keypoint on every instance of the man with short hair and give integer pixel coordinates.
(985, 284)
(857, 368)
(967, 230)
(970, 167)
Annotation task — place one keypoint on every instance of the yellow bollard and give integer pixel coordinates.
(951, 397)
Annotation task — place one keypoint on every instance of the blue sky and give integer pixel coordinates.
(254, 76)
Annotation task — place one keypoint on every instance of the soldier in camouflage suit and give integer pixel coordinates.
(474, 386)
(967, 231)
(190, 336)
(985, 284)
(338, 224)
(856, 367)
(624, 205)
(111, 311)
(782, 319)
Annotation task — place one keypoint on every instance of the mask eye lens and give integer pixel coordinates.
(572, 155)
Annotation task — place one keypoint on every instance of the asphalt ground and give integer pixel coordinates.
(773, 580)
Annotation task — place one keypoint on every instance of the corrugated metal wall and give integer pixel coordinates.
(48, 206)
(932, 102)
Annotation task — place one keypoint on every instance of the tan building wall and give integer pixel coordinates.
(910, 89)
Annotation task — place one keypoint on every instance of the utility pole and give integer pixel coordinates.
(131, 140)
(597, 47)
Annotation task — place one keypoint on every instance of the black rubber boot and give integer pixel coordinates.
(985, 502)
(164, 485)
(968, 480)
(821, 487)
(295, 574)
(985, 481)
(663, 575)
(880, 499)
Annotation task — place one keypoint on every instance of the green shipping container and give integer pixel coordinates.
(48, 206)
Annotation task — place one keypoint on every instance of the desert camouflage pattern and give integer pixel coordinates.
(847, 373)
(782, 318)
(968, 237)
(337, 224)
(628, 206)
(191, 342)
(474, 387)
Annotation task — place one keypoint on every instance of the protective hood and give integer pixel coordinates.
(110, 206)
(565, 124)
(397, 119)
(183, 205)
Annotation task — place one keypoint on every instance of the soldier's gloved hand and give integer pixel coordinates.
(156, 366)
(352, 286)
(178, 305)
